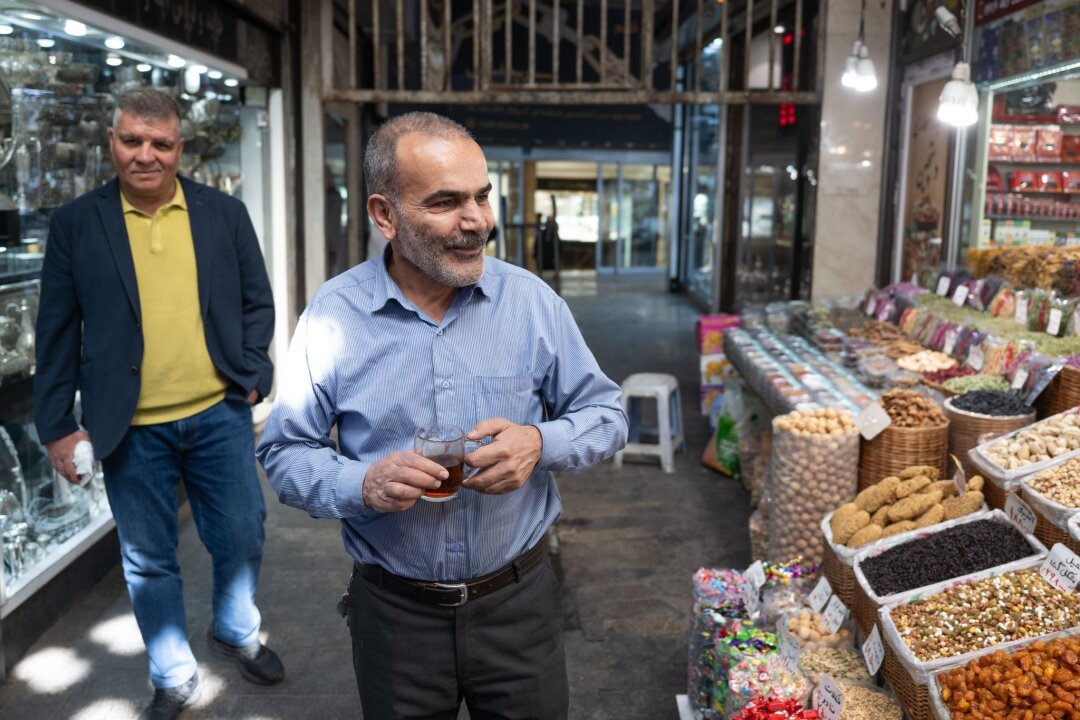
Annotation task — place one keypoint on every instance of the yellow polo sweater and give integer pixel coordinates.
(178, 377)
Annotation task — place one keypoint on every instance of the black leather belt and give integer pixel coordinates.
(454, 594)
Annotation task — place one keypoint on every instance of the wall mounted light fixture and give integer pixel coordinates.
(859, 73)
(958, 104)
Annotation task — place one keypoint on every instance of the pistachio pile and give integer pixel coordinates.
(837, 662)
(1036, 443)
(976, 616)
(909, 409)
(1060, 484)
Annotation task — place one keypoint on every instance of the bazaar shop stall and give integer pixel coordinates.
(59, 76)
(917, 483)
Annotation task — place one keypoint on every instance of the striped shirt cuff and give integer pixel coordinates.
(350, 489)
(556, 444)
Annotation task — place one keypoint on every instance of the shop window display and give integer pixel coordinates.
(58, 83)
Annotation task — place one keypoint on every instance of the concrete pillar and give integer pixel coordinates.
(850, 155)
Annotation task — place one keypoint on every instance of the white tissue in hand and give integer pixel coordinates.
(84, 461)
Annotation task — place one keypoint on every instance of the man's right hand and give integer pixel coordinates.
(62, 455)
(397, 481)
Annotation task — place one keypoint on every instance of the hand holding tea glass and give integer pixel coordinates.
(446, 445)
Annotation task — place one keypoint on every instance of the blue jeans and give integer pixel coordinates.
(213, 453)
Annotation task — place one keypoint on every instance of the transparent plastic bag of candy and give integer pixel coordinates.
(719, 590)
(704, 666)
(751, 676)
(734, 644)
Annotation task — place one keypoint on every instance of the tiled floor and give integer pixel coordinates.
(628, 543)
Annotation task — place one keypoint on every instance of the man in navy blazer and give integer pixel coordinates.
(156, 308)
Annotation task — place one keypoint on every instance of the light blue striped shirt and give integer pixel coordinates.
(366, 359)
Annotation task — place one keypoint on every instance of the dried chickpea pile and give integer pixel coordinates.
(862, 703)
(813, 468)
(1035, 443)
(810, 626)
(909, 409)
(1060, 484)
(837, 662)
(911, 500)
(978, 616)
(1039, 682)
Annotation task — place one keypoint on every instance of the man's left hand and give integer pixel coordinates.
(252, 397)
(508, 461)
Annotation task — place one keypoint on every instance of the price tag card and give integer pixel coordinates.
(834, 615)
(828, 699)
(1062, 568)
(943, 286)
(975, 357)
(951, 336)
(1019, 379)
(960, 295)
(959, 478)
(872, 420)
(873, 651)
(871, 304)
(1053, 323)
(1021, 311)
(1020, 513)
(788, 649)
(820, 595)
(755, 579)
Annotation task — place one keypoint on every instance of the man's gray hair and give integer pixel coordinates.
(380, 158)
(146, 102)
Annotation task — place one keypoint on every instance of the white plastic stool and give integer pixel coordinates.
(664, 389)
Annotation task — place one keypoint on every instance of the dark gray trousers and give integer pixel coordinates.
(502, 653)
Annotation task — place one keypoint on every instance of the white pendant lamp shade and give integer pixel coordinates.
(865, 77)
(958, 104)
(851, 67)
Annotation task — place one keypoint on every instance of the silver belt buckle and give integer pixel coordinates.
(462, 587)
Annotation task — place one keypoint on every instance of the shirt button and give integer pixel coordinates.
(134, 369)
(438, 332)
(446, 383)
(456, 547)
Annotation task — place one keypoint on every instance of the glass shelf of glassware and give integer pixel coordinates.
(45, 522)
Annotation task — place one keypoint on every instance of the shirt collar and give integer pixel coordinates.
(178, 201)
(386, 289)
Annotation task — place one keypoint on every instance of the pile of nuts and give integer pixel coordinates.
(900, 503)
(1040, 681)
(979, 615)
(862, 703)
(836, 662)
(926, 361)
(1060, 484)
(911, 410)
(810, 626)
(1036, 443)
(817, 422)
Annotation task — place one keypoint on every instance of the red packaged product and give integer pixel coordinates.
(994, 183)
(1022, 181)
(1070, 181)
(1000, 142)
(1048, 182)
(1068, 114)
(1070, 148)
(1048, 143)
(1022, 144)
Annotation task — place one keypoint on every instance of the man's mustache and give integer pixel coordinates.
(468, 242)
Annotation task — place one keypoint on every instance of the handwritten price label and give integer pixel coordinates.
(755, 579)
(975, 357)
(1053, 325)
(834, 614)
(788, 648)
(960, 295)
(870, 304)
(1062, 568)
(943, 286)
(1021, 312)
(872, 420)
(820, 595)
(1020, 513)
(959, 478)
(828, 699)
(873, 651)
(1019, 379)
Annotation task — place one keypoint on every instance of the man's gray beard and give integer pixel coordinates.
(422, 250)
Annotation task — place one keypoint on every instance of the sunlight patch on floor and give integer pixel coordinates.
(52, 670)
(106, 709)
(119, 635)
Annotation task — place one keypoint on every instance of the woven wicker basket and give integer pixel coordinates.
(841, 577)
(996, 495)
(913, 697)
(1050, 534)
(864, 609)
(1066, 391)
(897, 448)
(965, 429)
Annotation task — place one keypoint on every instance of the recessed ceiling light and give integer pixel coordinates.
(144, 67)
(114, 61)
(114, 43)
(6, 29)
(198, 68)
(176, 61)
(214, 74)
(46, 42)
(32, 16)
(779, 29)
(74, 28)
(232, 82)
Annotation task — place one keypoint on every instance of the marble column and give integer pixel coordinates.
(850, 155)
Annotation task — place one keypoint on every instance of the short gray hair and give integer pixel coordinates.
(146, 102)
(380, 158)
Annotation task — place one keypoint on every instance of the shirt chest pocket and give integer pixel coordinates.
(507, 397)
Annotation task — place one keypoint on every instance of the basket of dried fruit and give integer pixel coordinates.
(979, 412)
(918, 435)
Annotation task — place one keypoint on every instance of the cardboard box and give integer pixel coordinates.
(709, 394)
(710, 332)
(715, 369)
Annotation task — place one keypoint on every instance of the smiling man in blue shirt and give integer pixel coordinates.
(455, 600)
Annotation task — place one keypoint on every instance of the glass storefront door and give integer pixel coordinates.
(699, 248)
